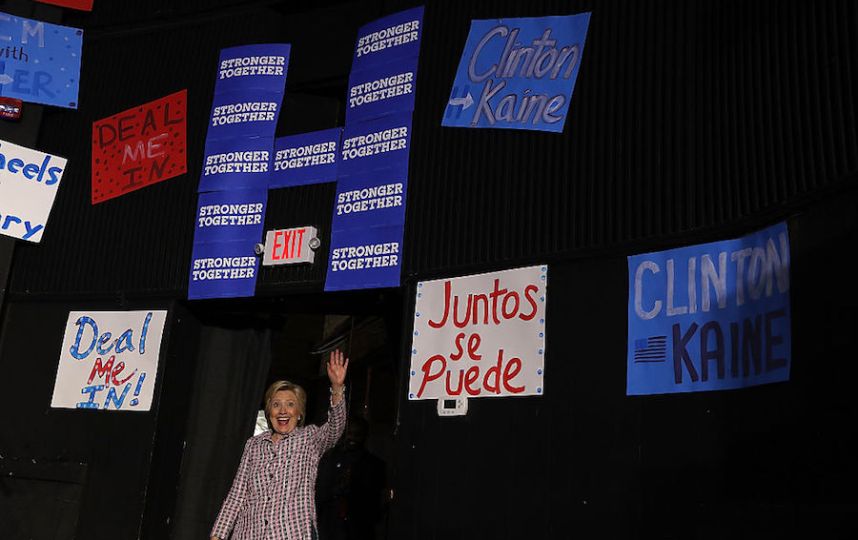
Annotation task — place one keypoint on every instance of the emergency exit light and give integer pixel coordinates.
(290, 246)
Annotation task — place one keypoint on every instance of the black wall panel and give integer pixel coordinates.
(586, 461)
(106, 461)
(689, 119)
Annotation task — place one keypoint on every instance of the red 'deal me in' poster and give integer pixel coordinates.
(83, 5)
(139, 147)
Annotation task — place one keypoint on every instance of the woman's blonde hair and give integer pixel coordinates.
(278, 386)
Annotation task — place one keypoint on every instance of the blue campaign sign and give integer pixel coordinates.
(518, 73)
(388, 39)
(381, 90)
(308, 158)
(365, 258)
(262, 67)
(223, 270)
(377, 144)
(39, 61)
(710, 317)
(370, 199)
(236, 164)
(227, 216)
(245, 113)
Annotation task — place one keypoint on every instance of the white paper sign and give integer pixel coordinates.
(29, 180)
(480, 336)
(109, 360)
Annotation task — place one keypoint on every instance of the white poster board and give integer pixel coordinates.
(109, 360)
(29, 180)
(480, 336)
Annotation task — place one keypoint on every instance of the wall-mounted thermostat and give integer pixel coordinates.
(453, 406)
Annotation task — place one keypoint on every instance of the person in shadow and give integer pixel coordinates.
(350, 491)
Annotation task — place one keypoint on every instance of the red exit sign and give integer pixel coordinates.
(290, 246)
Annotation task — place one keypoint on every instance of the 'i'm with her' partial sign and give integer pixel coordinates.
(481, 335)
(710, 317)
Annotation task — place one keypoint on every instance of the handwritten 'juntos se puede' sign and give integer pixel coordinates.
(481, 335)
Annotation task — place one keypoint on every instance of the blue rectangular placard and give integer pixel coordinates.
(245, 113)
(40, 61)
(308, 158)
(236, 164)
(518, 73)
(710, 317)
(381, 90)
(376, 144)
(371, 199)
(263, 67)
(223, 270)
(365, 258)
(227, 216)
(389, 39)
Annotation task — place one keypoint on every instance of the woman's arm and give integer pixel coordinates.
(330, 431)
(234, 499)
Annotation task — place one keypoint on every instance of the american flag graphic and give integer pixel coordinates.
(651, 349)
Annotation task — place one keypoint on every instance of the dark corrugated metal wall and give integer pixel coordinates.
(689, 119)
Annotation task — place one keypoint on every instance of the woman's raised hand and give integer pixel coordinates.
(337, 366)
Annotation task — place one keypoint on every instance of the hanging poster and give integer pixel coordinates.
(262, 67)
(371, 198)
(236, 164)
(389, 39)
(377, 144)
(223, 270)
(82, 5)
(40, 62)
(365, 258)
(227, 216)
(381, 90)
(480, 335)
(518, 73)
(139, 147)
(710, 317)
(245, 113)
(109, 360)
(308, 158)
(29, 180)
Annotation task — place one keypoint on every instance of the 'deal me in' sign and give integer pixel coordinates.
(109, 360)
(518, 73)
(710, 317)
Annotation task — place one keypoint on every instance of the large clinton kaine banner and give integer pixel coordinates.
(518, 73)
(710, 317)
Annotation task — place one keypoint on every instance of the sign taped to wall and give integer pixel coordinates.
(308, 158)
(231, 164)
(244, 113)
(109, 360)
(29, 180)
(480, 335)
(365, 258)
(710, 317)
(82, 5)
(40, 61)
(223, 270)
(263, 67)
(389, 39)
(380, 90)
(518, 73)
(139, 147)
(228, 216)
(376, 144)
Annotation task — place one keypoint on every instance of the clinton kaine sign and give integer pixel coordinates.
(518, 73)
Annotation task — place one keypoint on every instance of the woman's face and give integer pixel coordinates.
(284, 412)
